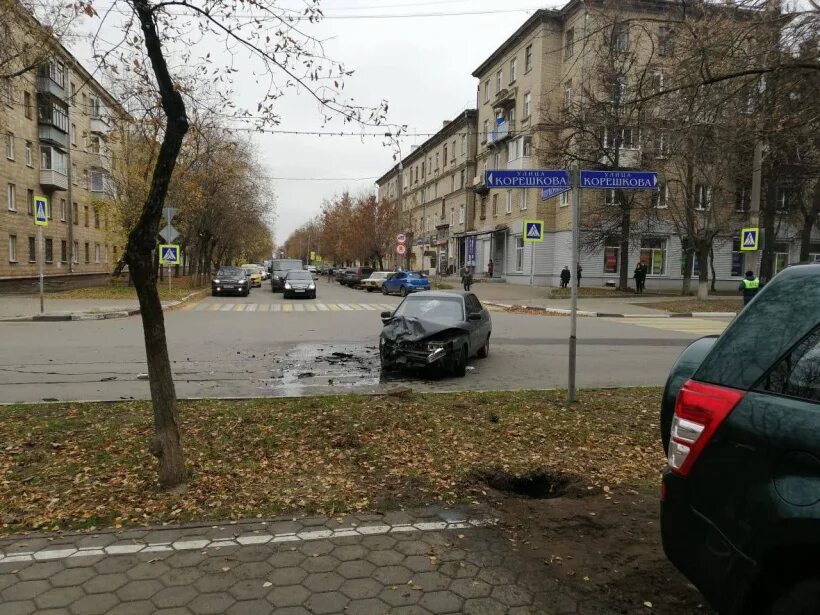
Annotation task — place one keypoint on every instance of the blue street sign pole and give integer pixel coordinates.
(573, 319)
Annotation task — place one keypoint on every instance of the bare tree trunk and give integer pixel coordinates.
(712, 266)
(703, 269)
(767, 229)
(811, 213)
(688, 261)
(165, 444)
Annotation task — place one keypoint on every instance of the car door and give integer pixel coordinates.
(483, 327)
(396, 281)
(474, 326)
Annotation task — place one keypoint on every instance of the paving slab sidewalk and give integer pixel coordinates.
(430, 560)
(22, 308)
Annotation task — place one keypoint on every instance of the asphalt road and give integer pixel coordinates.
(265, 345)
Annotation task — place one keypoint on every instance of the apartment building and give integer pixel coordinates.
(551, 66)
(57, 126)
(438, 202)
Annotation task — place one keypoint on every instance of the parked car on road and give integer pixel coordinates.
(279, 267)
(740, 421)
(354, 276)
(435, 330)
(254, 275)
(340, 274)
(313, 271)
(375, 281)
(230, 281)
(299, 283)
(405, 282)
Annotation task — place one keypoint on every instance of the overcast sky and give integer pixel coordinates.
(421, 65)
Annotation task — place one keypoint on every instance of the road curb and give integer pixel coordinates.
(565, 312)
(84, 316)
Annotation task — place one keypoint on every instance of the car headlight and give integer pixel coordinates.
(287, 285)
(217, 282)
(312, 287)
(242, 281)
(276, 277)
(432, 346)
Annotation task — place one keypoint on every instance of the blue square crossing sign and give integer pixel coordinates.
(41, 211)
(169, 254)
(533, 231)
(749, 239)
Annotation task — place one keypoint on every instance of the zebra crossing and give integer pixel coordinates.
(291, 308)
(696, 326)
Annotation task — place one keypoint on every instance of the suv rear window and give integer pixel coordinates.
(798, 373)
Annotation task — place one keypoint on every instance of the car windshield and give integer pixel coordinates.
(414, 276)
(438, 308)
(378, 276)
(229, 272)
(299, 275)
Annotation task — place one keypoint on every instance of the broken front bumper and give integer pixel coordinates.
(416, 355)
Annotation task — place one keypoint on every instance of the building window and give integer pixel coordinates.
(445, 155)
(486, 130)
(96, 107)
(526, 149)
(528, 59)
(62, 210)
(482, 211)
(74, 135)
(6, 93)
(12, 248)
(661, 197)
(513, 69)
(53, 113)
(653, 255)
(63, 251)
(74, 174)
(656, 83)
(519, 253)
(52, 159)
(703, 197)
(463, 145)
(30, 202)
(563, 199)
(612, 254)
(27, 105)
(49, 250)
(743, 198)
(73, 92)
(461, 179)
(94, 144)
(569, 43)
(96, 253)
(508, 208)
(75, 252)
(453, 152)
(86, 180)
(527, 102)
(76, 213)
(11, 197)
(664, 147)
(567, 94)
(522, 199)
(461, 214)
(10, 145)
(96, 218)
(784, 198)
(487, 91)
(29, 156)
(32, 250)
(87, 252)
(495, 205)
(620, 37)
(85, 212)
(625, 138)
(497, 159)
(55, 71)
(513, 150)
(610, 198)
(499, 81)
(666, 44)
(737, 258)
(781, 256)
(620, 90)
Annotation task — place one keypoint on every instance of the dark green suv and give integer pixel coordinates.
(740, 422)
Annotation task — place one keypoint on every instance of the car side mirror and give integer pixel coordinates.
(386, 317)
(474, 316)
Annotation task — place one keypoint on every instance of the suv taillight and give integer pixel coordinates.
(699, 411)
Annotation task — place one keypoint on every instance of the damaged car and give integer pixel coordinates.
(437, 331)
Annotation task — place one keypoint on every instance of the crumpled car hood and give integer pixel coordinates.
(402, 329)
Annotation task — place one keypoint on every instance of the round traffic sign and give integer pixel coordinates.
(401, 249)
(401, 238)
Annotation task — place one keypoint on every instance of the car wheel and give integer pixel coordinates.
(484, 351)
(247, 292)
(369, 289)
(214, 293)
(460, 367)
(403, 291)
(386, 365)
(384, 290)
(799, 598)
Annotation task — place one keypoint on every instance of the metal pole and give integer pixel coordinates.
(398, 204)
(41, 259)
(754, 209)
(573, 327)
(532, 259)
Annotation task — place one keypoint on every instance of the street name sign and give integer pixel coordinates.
(750, 238)
(169, 254)
(41, 210)
(535, 178)
(533, 231)
(619, 180)
(548, 193)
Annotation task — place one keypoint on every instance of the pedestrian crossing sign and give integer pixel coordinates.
(41, 210)
(533, 231)
(169, 254)
(749, 239)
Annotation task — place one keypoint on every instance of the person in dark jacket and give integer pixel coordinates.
(578, 276)
(466, 278)
(640, 277)
(749, 286)
(566, 276)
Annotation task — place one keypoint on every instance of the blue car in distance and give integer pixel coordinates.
(404, 283)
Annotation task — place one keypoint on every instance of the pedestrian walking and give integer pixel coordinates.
(749, 286)
(640, 277)
(578, 276)
(330, 275)
(566, 276)
(490, 268)
(466, 278)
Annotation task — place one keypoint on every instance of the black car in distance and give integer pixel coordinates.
(435, 330)
(740, 421)
(299, 283)
(230, 281)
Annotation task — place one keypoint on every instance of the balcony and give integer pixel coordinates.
(627, 158)
(101, 186)
(501, 133)
(53, 179)
(100, 124)
(47, 85)
(52, 134)
(505, 98)
(100, 159)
